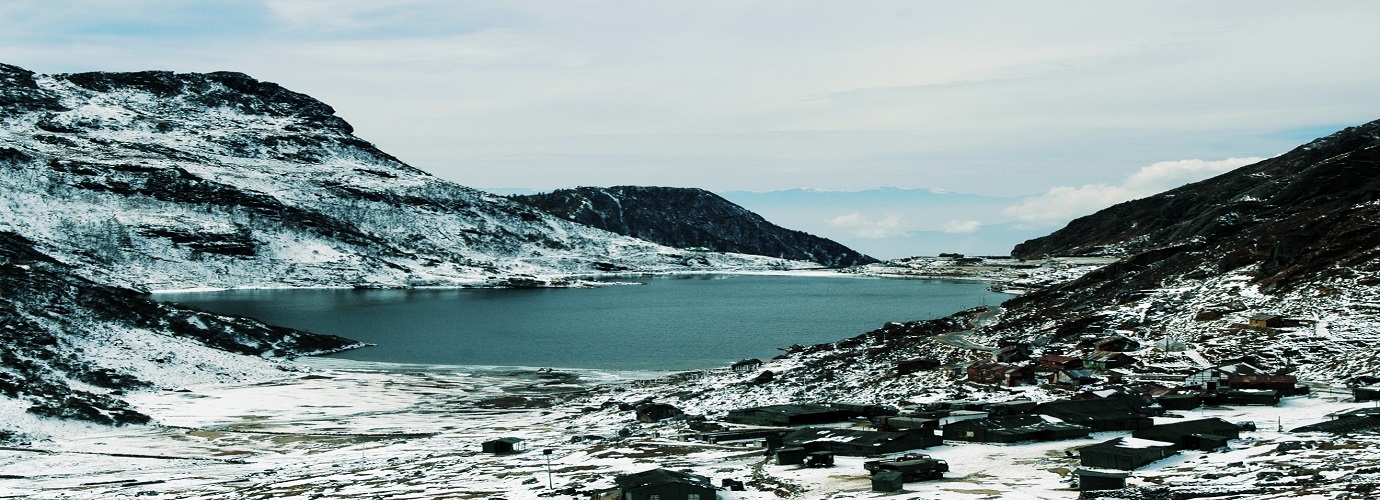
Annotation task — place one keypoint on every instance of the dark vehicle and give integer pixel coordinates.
(820, 459)
(913, 467)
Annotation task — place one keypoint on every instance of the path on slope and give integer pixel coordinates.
(960, 339)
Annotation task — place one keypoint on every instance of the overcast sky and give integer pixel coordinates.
(1071, 103)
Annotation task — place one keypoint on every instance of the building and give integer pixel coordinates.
(951, 416)
(886, 423)
(1072, 377)
(916, 365)
(656, 412)
(1191, 434)
(660, 484)
(1111, 414)
(1264, 397)
(1000, 374)
(1285, 384)
(1107, 360)
(504, 445)
(1013, 429)
(860, 443)
(864, 410)
(1012, 354)
(1009, 407)
(1124, 453)
(1115, 343)
(1217, 376)
(1180, 400)
(1056, 362)
(1366, 393)
(1098, 480)
(1266, 321)
(787, 415)
(1361, 419)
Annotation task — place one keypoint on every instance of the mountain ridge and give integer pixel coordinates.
(689, 218)
(1294, 236)
(161, 180)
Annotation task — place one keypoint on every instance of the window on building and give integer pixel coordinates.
(693, 496)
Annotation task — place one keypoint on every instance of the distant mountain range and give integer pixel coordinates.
(892, 223)
(689, 218)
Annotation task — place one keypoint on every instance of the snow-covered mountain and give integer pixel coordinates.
(157, 180)
(116, 183)
(689, 218)
(1297, 235)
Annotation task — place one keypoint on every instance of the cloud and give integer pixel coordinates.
(962, 226)
(1063, 203)
(862, 227)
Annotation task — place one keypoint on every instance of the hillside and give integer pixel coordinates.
(118, 183)
(1294, 215)
(160, 180)
(1294, 235)
(71, 348)
(689, 218)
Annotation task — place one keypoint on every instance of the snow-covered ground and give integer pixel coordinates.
(368, 430)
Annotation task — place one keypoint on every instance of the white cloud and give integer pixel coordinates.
(962, 226)
(863, 227)
(1062, 203)
(771, 95)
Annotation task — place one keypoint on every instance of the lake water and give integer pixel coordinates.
(664, 323)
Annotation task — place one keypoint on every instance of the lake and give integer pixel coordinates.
(663, 323)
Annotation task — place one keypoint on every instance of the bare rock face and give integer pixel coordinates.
(689, 218)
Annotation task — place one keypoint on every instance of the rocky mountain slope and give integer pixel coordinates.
(1297, 235)
(689, 218)
(159, 180)
(116, 183)
(69, 348)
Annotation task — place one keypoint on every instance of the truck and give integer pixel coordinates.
(912, 466)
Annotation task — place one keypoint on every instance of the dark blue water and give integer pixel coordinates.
(675, 323)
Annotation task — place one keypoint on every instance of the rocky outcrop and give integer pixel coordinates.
(70, 348)
(689, 218)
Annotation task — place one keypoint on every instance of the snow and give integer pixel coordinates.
(362, 430)
(453, 236)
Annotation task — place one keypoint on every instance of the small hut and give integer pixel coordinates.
(888, 481)
(1097, 480)
(504, 445)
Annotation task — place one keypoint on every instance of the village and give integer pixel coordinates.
(1138, 417)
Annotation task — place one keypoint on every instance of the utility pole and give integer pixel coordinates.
(549, 483)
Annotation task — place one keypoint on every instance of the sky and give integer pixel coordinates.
(1065, 106)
